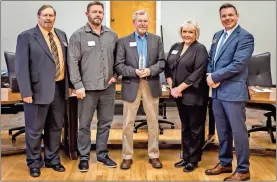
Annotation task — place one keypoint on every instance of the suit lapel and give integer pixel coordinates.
(61, 41)
(149, 46)
(181, 49)
(39, 37)
(134, 48)
(228, 41)
(217, 37)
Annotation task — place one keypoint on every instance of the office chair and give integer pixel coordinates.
(10, 61)
(259, 74)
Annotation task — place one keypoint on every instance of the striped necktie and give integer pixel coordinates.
(54, 51)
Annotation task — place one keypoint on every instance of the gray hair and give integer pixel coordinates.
(194, 24)
(140, 12)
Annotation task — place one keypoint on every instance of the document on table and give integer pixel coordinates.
(259, 89)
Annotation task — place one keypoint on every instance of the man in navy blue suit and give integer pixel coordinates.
(227, 74)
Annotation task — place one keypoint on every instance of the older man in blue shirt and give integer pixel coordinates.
(140, 60)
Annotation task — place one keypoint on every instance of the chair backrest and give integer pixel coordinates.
(10, 61)
(162, 76)
(259, 73)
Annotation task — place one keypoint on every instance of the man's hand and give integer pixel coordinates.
(215, 85)
(81, 93)
(112, 80)
(209, 80)
(28, 99)
(145, 72)
(70, 91)
(139, 72)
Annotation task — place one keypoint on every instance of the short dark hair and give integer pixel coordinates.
(94, 3)
(227, 5)
(45, 7)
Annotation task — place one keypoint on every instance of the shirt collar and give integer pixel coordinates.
(139, 36)
(45, 32)
(89, 29)
(229, 32)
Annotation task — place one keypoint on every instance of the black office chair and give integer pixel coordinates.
(10, 61)
(260, 75)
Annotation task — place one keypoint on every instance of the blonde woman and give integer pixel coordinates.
(186, 75)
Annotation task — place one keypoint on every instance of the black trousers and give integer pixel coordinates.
(48, 118)
(193, 125)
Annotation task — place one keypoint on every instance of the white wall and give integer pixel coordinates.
(17, 16)
(257, 17)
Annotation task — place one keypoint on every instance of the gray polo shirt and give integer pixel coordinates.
(91, 58)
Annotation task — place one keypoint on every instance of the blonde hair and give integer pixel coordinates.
(192, 23)
(140, 12)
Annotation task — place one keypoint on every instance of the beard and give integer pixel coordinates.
(95, 21)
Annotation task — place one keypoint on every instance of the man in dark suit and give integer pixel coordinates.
(230, 53)
(140, 59)
(44, 86)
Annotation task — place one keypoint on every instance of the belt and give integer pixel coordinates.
(146, 78)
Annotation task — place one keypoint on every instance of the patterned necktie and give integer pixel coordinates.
(54, 51)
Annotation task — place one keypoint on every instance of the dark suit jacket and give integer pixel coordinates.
(191, 69)
(231, 65)
(127, 60)
(35, 66)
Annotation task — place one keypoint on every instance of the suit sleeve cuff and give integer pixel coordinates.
(215, 78)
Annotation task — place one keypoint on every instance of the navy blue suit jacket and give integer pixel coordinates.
(35, 66)
(230, 68)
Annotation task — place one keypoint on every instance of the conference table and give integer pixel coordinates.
(69, 138)
(255, 97)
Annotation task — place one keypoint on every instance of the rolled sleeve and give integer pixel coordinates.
(74, 57)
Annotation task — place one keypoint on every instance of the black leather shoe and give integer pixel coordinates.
(190, 167)
(107, 162)
(180, 164)
(57, 167)
(83, 166)
(35, 172)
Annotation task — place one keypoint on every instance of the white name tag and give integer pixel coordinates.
(133, 44)
(91, 43)
(65, 44)
(174, 52)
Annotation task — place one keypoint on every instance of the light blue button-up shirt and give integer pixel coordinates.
(142, 47)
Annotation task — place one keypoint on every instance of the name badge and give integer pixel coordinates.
(133, 44)
(174, 52)
(91, 43)
(65, 44)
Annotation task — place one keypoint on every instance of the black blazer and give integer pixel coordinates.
(191, 69)
(35, 66)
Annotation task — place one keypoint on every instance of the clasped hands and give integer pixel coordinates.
(210, 81)
(143, 72)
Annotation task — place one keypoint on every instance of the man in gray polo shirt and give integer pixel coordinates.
(91, 62)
